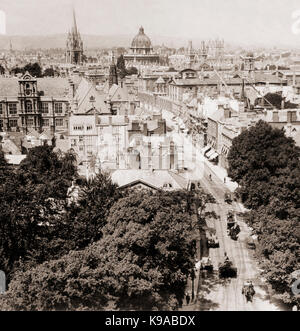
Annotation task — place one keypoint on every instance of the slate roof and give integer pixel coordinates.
(52, 87)
(156, 179)
(84, 92)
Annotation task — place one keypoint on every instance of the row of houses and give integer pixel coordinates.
(225, 124)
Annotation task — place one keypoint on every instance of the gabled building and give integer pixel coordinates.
(34, 103)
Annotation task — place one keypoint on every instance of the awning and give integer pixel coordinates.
(205, 149)
(214, 156)
(210, 153)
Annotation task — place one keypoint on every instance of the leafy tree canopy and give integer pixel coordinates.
(142, 262)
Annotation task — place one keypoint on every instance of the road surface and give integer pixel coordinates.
(213, 293)
(226, 295)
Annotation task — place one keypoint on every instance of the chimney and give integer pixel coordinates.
(160, 156)
(294, 78)
(150, 166)
(73, 89)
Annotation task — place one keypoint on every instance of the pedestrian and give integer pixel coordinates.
(225, 180)
(210, 177)
(188, 299)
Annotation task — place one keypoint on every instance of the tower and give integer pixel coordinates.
(74, 45)
(113, 75)
(203, 51)
(191, 55)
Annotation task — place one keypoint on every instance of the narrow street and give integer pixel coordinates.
(227, 295)
(214, 293)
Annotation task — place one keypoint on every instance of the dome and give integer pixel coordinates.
(141, 40)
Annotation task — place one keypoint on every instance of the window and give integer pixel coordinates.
(59, 122)
(73, 142)
(45, 108)
(13, 123)
(78, 127)
(89, 128)
(81, 148)
(81, 139)
(12, 108)
(1, 123)
(1, 108)
(58, 107)
(30, 122)
(28, 105)
(45, 122)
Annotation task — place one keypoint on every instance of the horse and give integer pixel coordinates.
(249, 292)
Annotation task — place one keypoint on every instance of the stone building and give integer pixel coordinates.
(74, 45)
(141, 50)
(34, 103)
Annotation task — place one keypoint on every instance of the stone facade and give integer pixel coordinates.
(34, 103)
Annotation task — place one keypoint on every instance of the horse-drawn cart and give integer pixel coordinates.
(227, 269)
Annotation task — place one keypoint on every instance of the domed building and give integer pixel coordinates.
(141, 50)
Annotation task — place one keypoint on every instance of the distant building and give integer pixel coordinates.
(141, 50)
(74, 52)
(113, 75)
(34, 103)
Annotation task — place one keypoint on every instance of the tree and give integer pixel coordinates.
(132, 71)
(279, 245)
(85, 221)
(257, 158)
(121, 67)
(17, 70)
(50, 72)
(48, 171)
(142, 262)
(2, 70)
(154, 246)
(32, 200)
(276, 100)
(265, 163)
(73, 282)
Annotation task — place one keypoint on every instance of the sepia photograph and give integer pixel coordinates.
(149, 158)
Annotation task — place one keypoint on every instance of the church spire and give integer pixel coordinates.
(74, 52)
(74, 22)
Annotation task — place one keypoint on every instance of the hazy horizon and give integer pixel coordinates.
(236, 21)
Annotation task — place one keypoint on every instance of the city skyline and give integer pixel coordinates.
(208, 19)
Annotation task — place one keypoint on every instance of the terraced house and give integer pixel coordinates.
(28, 103)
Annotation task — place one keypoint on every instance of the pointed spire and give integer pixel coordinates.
(74, 22)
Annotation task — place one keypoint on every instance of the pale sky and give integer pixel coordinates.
(265, 21)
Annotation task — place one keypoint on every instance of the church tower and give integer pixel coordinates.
(74, 53)
(191, 55)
